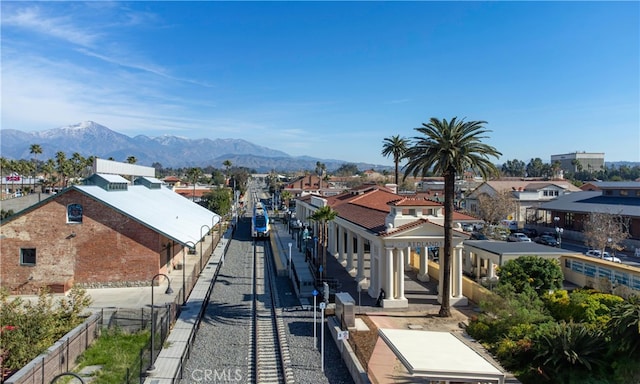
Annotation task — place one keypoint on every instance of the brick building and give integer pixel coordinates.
(104, 233)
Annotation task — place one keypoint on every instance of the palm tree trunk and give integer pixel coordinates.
(449, 195)
(397, 161)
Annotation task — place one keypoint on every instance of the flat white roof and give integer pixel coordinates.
(439, 356)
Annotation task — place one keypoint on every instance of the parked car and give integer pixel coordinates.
(530, 232)
(478, 236)
(596, 253)
(498, 233)
(518, 237)
(547, 240)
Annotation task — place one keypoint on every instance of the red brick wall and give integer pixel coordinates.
(108, 247)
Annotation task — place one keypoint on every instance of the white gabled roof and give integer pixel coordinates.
(162, 210)
(439, 356)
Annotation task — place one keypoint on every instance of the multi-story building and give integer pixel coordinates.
(579, 161)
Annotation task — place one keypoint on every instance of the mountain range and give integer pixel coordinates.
(92, 139)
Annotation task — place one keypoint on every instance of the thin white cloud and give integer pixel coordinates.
(61, 27)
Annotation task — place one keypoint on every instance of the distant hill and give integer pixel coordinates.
(92, 139)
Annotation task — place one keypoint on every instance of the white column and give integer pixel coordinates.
(341, 255)
(388, 271)
(409, 259)
(423, 274)
(333, 238)
(490, 271)
(478, 267)
(400, 274)
(457, 272)
(360, 274)
(349, 251)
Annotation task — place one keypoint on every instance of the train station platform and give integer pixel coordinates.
(421, 295)
(393, 355)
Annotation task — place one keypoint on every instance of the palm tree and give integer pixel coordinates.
(625, 326)
(323, 215)
(397, 147)
(286, 196)
(227, 165)
(35, 150)
(132, 160)
(448, 148)
(194, 174)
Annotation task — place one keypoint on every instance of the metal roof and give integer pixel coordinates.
(514, 248)
(162, 210)
(583, 202)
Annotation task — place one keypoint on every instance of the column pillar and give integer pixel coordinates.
(409, 259)
(400, 275)
(349, 251)
(457, 271)
(333, 238)
(360, 273)
(490, 271)
(388, 274)
(423, 273)
(341, 255)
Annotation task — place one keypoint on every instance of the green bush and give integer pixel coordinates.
(27, 329)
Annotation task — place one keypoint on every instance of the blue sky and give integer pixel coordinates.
(330, 79)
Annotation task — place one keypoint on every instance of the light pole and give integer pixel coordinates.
(201, 241)
(559, 230)
(169, 291)
(290, 244)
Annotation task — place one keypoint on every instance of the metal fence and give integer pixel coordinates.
(61, 357)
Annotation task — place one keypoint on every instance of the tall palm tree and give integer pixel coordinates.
(35, 150)
(227, 165)
(448, 148)
(323, 215)
(320, 169)
(395, 146)
(286, 196)
(194, 174)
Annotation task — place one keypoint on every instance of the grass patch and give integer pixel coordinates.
(115, 351)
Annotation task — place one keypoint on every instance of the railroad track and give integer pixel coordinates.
(269, 358)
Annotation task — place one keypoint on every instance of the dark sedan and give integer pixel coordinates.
(547, 240)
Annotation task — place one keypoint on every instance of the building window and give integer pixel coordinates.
(624, 192)
(608, 192)
(74, 213)
(27, 256)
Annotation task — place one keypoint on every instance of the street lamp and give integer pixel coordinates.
(290, 244)
(559, 230)
(72, 374)
(169, 291)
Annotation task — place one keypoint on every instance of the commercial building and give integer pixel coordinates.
(579, 161)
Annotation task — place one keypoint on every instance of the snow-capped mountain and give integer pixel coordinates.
(89, 138)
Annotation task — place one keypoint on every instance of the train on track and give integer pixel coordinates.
(260, 222)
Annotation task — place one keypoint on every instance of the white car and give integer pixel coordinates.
(596, 253)
(518, 237)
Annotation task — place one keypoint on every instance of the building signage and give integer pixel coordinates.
(13, 178)
(420, 244)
